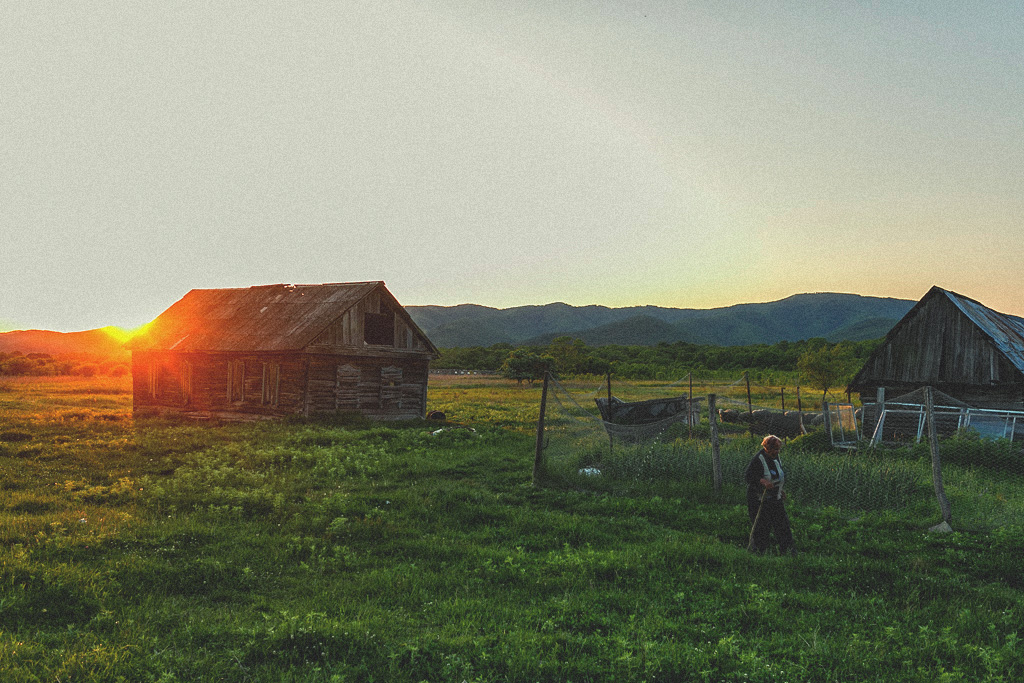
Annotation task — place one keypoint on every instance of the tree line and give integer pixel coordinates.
(18, 364)
(819, 360)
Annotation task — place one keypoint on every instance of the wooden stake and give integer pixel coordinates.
(879, 407)
(689, 409)
(609, 393)
(750, 405)
(828, 419)
(800, 410)
(716, 456)
(933, 444)
(611, 440)
(538, 456)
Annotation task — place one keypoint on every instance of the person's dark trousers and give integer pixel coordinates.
(773, 520)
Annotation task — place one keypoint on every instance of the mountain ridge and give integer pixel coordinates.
(98, 342)
(833, 316)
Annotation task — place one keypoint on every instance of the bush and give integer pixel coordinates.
(87, 370)
(967, 448)
(19, 365)
(817, 441)
(119, 370)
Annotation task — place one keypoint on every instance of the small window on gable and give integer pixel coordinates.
(379, 329)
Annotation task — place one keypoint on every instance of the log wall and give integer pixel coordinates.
(380, 387)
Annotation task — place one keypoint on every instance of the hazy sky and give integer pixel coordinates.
(687, 154)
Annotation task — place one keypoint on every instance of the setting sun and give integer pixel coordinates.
(122, 335)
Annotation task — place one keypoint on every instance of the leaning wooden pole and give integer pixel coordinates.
(933, 444)
(539, 455)
(716, 455)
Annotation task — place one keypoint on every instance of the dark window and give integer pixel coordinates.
(379, 329)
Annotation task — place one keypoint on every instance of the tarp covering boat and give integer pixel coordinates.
(617, 411)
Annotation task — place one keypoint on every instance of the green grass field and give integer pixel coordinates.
(173, 551)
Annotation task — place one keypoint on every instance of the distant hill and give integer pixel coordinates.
(832, 316)
(802, 316)
(872, 328)
(100, 342)
(636, 331)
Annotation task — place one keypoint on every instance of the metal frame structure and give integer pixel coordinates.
(966, 417)
(842, 417)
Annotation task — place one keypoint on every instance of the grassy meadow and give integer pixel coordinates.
(159, 550)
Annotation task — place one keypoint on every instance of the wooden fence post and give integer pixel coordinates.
(611, 439)
(689, 407)
(750, 404)
(800, 410)
(828, 419)
(716, 455)
(879, 406)
(537, 458)
(933, 444)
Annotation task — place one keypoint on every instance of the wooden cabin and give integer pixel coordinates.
(270, 351)
(954, 344)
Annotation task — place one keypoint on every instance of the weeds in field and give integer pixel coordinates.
(168, 551)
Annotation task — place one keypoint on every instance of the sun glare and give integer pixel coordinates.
(122, 335)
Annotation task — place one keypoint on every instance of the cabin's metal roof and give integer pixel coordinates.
(262, 318)
(1005, 331)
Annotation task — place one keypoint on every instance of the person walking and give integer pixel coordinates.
(765, 499)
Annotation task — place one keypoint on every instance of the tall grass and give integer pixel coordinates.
(324, 552)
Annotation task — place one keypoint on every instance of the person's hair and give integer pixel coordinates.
(770, 439)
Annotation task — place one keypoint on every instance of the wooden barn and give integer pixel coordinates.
(276, 350)
(954, 344)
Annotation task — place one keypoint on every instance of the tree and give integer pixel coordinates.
(573, 357)
(525, 364)
(827, 366)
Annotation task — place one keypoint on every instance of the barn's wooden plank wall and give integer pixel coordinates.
(943, 348)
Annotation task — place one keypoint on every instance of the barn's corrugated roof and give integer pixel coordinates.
(262, 318)
(1006, 331)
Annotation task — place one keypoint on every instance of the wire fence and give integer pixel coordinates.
(970, 478)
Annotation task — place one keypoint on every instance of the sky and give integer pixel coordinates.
(682, 154)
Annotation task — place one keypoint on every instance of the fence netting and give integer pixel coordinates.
(830, 458)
